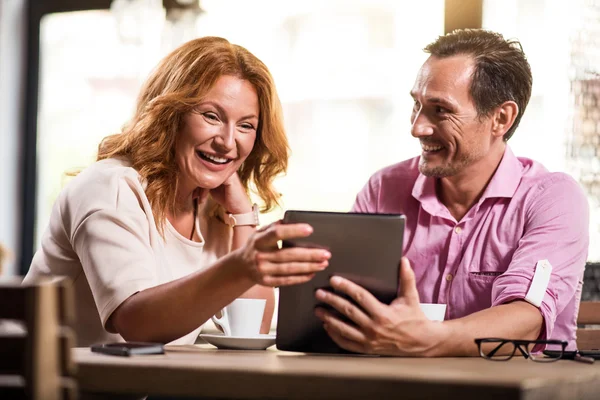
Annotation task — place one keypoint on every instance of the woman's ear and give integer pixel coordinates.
(504, 117)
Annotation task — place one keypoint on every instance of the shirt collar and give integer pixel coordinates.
(504, 183)
(507, 177)
(424, 192)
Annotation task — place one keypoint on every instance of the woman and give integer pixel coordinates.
(159, 234)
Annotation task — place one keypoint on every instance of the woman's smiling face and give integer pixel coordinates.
(218, 135)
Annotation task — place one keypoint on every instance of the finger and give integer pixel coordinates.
(269, 238)
(343, 342)
(269, 247)
(232, 179)
(408, 284)
(340, 327)
(345, 307)
(361, 296)
(296, 254)
(265, 227)
(291, 268)
(276, 281)
(340, 338)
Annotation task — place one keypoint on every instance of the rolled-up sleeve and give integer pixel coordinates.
(556, 229)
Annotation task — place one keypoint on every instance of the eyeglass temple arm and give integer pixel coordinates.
(524, 352)
(495, 349)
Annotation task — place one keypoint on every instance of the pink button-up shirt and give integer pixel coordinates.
(526, 214)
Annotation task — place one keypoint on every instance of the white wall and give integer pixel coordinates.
(12, 46)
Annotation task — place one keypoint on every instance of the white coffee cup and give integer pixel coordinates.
(434, 312)
(242, 317)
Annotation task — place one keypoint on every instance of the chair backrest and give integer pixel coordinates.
(36, 338)
(588, 321)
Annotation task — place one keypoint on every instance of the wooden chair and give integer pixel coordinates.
(36, 338)
(588, 321)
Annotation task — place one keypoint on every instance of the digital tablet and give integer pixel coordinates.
(365, 248)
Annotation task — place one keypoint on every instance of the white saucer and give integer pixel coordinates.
(221, 341)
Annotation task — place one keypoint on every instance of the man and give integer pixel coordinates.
(499, 239)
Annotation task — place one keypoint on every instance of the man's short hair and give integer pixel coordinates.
(501, 73)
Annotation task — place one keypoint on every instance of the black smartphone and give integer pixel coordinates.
(570, 355)
(127, 349)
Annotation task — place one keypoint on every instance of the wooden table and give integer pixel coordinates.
(203, 371)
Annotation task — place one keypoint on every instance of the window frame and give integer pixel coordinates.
(34, 13)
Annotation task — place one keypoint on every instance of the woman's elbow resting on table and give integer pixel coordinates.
(122, 321)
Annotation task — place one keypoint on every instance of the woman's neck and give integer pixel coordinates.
(183, 216)
(184, 200)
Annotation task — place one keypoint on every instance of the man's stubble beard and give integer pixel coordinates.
(449, 169)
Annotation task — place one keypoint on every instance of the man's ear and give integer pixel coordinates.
(504, 117)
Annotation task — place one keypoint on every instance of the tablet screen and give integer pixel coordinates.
(365, 248)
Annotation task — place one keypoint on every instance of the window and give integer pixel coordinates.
(343, 71)
(557, 129)
(342, 68)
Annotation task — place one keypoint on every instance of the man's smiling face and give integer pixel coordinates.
(445, 119)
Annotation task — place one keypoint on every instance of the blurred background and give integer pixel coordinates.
(70, 72)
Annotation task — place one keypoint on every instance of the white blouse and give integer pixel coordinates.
(103, 236)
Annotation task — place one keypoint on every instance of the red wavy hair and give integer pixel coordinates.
(176, 86)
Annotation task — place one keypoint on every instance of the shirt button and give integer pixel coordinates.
(458, 229)
(449, 277)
